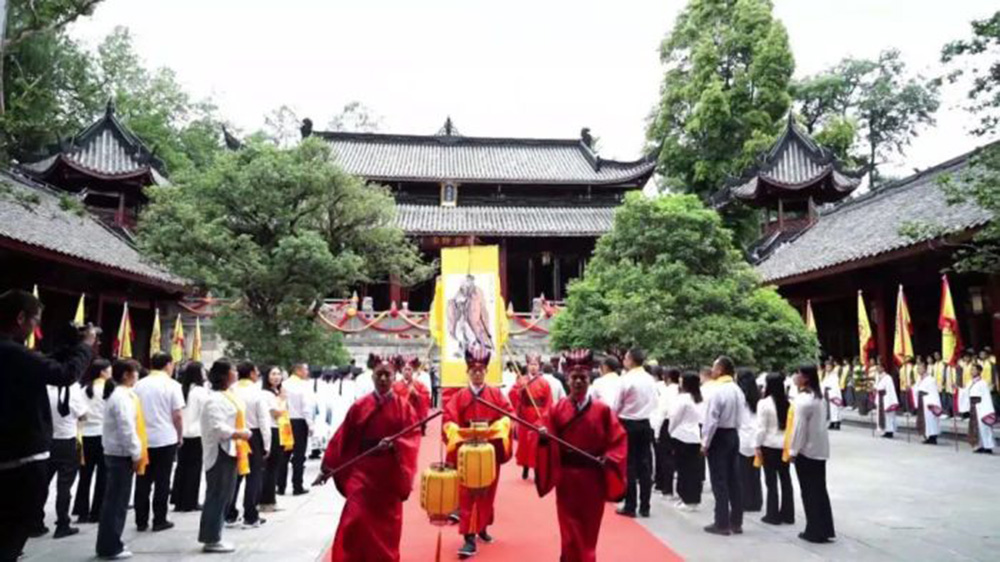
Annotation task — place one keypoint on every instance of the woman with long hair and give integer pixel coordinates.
(753, 499)
(271, 383)
(685, 431)
(187, 475)
(809, 450)
(97, 387)
(220, 431)
(667, 390)
(772, 417)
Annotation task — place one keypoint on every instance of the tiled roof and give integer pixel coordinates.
(870, 225)
(504, 221)
(795, 162)
(46, 225)
(479, 159)
(106, 149)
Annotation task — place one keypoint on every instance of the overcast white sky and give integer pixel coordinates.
(542, 68)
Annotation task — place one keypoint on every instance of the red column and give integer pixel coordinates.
(993, 290)
(883, 329)
(503, 268)
(395, 292)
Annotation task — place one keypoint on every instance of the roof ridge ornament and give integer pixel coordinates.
(448, 129)
(109, 108)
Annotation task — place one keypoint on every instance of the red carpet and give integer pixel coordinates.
(525, 528)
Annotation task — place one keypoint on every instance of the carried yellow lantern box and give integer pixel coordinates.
(477, 465)
(439, 492)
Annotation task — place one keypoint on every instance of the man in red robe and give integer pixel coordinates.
(375, 487)
(531, 398)
(476, 506)
(410, 389)
(583, 485)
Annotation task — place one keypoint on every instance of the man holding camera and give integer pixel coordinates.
(26, 416)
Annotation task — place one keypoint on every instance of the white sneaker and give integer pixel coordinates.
(255, 525)
(688, 507)
(678, 504)
(232, 524)
(125, 554)
(219, 547)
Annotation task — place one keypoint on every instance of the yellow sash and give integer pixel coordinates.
(285, 436)
(786, 449)
(242, 447)
(140, 428)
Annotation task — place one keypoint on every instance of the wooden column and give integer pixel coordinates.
(556, 285)
(503, 270)
(781, 214)
(993, 290)
(395, 293)
(531, 280)
(883, 328)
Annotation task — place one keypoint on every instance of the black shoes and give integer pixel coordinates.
(625, 512)
(162, 526)
(39, 532)
(300, 492)
(767, 520)
(983, 451)
(524, 473)
(814, 540)
(931, 440)
(142, 528)
(713, 530)
(887, 435)
(468, 549)
(644, 513)
(485, 537)
(66, 531)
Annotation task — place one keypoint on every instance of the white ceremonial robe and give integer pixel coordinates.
(985, 414)
(890, 403)
(932, 405)
(343, 393)
(833, 398)
(364, 384)
(321, 422)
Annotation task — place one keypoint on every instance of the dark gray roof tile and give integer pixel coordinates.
(422, 220)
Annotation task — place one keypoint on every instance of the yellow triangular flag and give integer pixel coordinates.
(177, 341)
(156, 338)
(80, 318)
(123, 343)
(902, 347)
(196, 344)
(810, 318)
(866, 341)
(31, 342)
(951, 342)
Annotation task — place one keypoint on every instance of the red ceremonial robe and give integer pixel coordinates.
(532, 400)
(463, 409)
(582, 486)
(418, 395)
(375, 487)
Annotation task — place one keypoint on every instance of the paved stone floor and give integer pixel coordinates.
(892, 500)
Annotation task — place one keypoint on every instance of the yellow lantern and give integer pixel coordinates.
(476, 464)
(439, 492)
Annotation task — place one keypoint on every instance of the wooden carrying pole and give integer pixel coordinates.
(533, 427)
(324, 476)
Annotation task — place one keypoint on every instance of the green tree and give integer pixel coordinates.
(875, 99)
(277, 230)
(725, 91)
(669, 278)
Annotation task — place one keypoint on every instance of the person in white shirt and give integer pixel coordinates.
(123, 452)
(607, 386)
(343, 393)
(982, 416)
(685, 434)
(636, 403)
(187, 477)
(321, 432)
(298, 392)
(666, 395)
(258, 417)
(162, 405)
(772, 417)
(753, 497)
(809, 450)
(721, 444)
(97, 389)
(833, 399)
(219, 434)
(365, 383)
(558, 390)
(507, 378)
(886, 403)
(928, 404)
(68, 406)
(275, 399)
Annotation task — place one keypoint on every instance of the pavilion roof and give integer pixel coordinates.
(795, 165)
(451, 156)
(32, 218)
(106, 150)
(424, 220)
(868, 227)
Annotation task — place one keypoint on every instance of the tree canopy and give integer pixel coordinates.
(871, 103)
(277, 230)
(669, 279)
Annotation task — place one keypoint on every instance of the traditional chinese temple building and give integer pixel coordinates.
(821, 244)
(544, 202)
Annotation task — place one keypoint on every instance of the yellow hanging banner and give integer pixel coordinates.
(469, 311)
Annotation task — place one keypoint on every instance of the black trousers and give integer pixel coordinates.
(64, 463)
(157, 479)
(815, 500)
(271, 465)
(300, 430)
(690, 471)
(753, 498)
(665, 465)
(23, 496)
(775, 472)
(187, 476)
(114, 509)
(724, 472)
(220, 480)
(251, 491)
(92, 471)
(640, 464)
